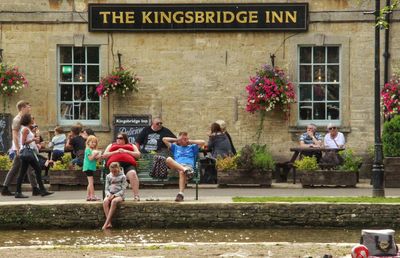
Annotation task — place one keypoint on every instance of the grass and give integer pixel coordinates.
(361, 199)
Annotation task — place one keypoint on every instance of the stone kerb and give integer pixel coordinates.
(200, 215)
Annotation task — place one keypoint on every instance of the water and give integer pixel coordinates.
(149, 236)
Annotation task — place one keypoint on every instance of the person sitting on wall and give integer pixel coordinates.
(150, 138)
(311, 139)
(185, 152)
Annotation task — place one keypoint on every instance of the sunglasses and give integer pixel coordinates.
(332, 128)
(120, 138)
(159, 123)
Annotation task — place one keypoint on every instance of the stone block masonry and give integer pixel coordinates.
(200, 215)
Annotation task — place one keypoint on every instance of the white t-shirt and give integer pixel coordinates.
(330, 143)
(58, 142)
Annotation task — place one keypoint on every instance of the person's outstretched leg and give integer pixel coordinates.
(113, 207)
(171, 163)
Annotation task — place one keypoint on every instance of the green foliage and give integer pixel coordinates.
(5, 162)
(307, 163)
(350, 161)
(227, 163)
(391, 137)
(64, 163)
(255, 157)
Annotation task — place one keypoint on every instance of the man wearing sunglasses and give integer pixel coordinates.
(334, 139)
(150, 138)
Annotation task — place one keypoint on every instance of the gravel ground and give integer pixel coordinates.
(281, 249)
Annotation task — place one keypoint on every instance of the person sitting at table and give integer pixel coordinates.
(222, 124)
(311, 139)
(58, 143)
(334, 139)
(77, 143)
(218, 142)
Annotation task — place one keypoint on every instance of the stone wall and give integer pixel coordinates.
(192, 79)
(201, 215)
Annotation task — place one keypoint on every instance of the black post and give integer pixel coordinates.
(272, 56)
(377, 169)
(386, 54)
(1, 55)
(119, 60)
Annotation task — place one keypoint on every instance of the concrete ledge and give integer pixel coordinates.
(199, 215)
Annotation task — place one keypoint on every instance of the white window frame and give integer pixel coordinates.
(60, 119)
(321, 122)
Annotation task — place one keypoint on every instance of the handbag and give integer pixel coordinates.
(160, 168)
(379, 242)
(27, 154)
(332, 158)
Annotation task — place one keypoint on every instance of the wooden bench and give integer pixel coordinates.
(145, 165)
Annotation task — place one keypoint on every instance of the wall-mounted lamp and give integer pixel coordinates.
(272, 56)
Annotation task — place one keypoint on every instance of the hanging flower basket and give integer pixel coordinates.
(390, 95)
(11, 82)
(269, 89)
(120, 81)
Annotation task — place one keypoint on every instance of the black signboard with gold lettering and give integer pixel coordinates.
(198, 17)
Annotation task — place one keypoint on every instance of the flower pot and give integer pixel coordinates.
(392, 174)
(245, 177)
(71, 179)
(328, 178)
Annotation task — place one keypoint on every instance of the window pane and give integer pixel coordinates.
(305, 110)
(92, 94)
(305, 92)
(65, 54)
(80, 110)
(333, 110)
(66, 111)
(66, 73)
(333, 73)
(305, 55)
(333, 54)
(319, 111)
(79, 73)
(79, 55)
(319, 92)
(93, 55)
(66, 93)
(79, 92)
(319, 73)
(305, 73)
(319, 54)
(333, 92)
(92, 73)
(93, 111)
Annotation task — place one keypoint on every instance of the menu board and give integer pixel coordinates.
(132, 125)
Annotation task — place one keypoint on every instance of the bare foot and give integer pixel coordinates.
(109, 225)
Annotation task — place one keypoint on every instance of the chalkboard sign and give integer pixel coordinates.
(132, 125)
(5, 132)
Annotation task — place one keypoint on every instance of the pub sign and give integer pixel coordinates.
(198, 17)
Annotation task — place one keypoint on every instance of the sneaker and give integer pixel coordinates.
(179, 198)
(45, 193)
(6, 192)
(189, 173)
(35, 191)
(20, 195)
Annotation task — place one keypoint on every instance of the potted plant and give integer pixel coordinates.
(120, 81)
(268, 90)
(5, 165)
(391, 151)
(343, 175)
(252, 165)
(64, 176)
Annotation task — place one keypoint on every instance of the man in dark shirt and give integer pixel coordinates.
(78, 145)
(150, 138)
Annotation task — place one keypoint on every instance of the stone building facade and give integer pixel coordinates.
(194, 78)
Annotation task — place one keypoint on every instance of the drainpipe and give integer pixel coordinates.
(377, 168)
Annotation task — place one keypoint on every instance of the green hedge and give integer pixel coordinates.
(391, 137)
